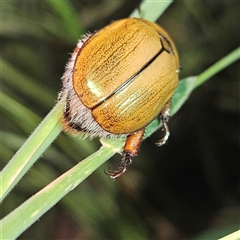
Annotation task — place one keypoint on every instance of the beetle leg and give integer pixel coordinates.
(164, 116)
(129, 151)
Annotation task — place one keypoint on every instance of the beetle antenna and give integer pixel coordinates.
(126, 161)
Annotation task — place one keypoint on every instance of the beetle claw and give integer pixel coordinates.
(165, 117)
(126, 161)
(163, 140)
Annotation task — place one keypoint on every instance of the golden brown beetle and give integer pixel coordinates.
(117, 81)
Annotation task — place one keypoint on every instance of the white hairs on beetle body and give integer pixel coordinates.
(78, 113)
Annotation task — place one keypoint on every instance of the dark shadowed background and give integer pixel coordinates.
(179, 191)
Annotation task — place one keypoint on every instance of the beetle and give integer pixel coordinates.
(117, 81)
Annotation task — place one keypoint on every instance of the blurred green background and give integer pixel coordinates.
(186, 189)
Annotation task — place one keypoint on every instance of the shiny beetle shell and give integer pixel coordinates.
(105, 68)
(119, 79)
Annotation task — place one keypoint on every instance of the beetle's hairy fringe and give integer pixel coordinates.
(75, 113)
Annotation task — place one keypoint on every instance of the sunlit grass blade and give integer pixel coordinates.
(22, 217)
(218, 66)
(151, 10)
(232, 236)
(36, 144)
(68, 181)
(230, 232)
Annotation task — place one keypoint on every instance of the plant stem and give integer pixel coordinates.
(218, 66)
(32, 149)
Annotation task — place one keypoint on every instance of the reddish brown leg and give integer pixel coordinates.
(130, 150)
(164, 116)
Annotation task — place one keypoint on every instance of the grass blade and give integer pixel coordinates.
(37, 205)
(218, 66)
(151, 10)
(34, 207)
(22, 217)
(36, 144)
